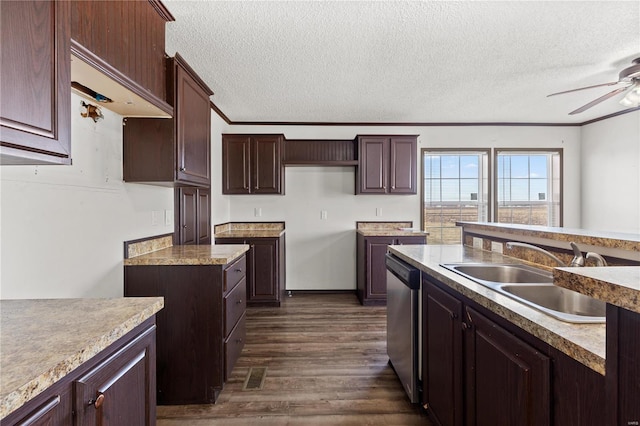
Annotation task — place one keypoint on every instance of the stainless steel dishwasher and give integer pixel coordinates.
(403, 283)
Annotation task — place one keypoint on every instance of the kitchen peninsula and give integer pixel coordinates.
(562, 373)
(201, 331)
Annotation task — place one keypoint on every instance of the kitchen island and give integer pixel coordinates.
(49, 346)
(545, 356)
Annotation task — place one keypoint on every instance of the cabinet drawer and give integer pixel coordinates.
(233, 347)
(234, 273)
(235, 303)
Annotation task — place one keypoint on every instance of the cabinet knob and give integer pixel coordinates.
(465, 326)
(98, 401)
(453, 315)
(238, 340)
(183, 169)
(237, 270)
(239, 301)
(184, 226)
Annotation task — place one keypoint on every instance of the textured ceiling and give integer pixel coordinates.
(397, 61)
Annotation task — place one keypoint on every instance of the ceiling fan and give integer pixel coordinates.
(629, 76)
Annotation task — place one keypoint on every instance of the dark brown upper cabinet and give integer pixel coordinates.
(387, 164)
(118, 50)
(193, 216)
(35, 83)
(252, 164)
(176, 151)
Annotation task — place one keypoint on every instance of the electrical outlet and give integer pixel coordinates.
(378, 211)
(496, 246)
(155, 217)
(323, 214)
(477, 243)
(257, 212)
(168, 218)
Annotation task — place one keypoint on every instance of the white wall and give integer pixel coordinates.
(62, 227)
(321, 253)
(610, 178)
(220, 204)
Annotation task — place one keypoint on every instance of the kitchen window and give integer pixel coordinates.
(528, 187)
(455, 188)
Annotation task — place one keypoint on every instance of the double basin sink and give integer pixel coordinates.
(533, 287)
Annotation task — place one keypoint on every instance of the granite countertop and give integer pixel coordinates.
(617, 285)
(221, 254)
(388, 229)
(614, 240)
(43, 340)
(249, 230)
(583, 342)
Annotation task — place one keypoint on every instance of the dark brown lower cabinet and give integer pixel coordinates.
(116, 387)
(371, 268)
(265, 269)
(508, 381)
(480, 369)
(201, 330)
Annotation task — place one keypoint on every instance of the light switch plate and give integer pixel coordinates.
(168, 218)
(155, 217)
(323, 214)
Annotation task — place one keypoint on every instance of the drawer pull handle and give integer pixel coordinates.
(239, 302)
(237, 270)
(98, 401)
(183, 169)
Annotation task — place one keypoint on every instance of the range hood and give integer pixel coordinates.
(90, 75)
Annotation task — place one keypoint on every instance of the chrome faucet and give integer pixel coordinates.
(597, 258)
(578, 259)
(512, 244)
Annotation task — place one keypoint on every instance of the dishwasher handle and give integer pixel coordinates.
(407, 274)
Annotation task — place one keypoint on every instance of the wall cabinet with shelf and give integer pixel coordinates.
(35, 82)
(175, 151)
(387, 164)
(320, 152)
(252, 164)
(201, 330)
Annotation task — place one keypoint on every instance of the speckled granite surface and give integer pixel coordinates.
(144, 247)
(583, 342)
(249, 230)
(388, 229)
(190, 255)
(41, 341)
(616, 240)
(618, 285)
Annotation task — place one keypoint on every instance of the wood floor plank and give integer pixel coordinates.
(326, 365)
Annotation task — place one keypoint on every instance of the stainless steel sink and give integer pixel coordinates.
(561, 303)
(492, 274)
(533, 287)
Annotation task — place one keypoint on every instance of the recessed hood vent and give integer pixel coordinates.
(96, 81)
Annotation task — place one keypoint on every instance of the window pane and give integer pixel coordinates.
(538, 166)
(450, 166)
(469, 166)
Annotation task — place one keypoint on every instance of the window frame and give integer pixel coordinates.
(533, 151)
(461, 151)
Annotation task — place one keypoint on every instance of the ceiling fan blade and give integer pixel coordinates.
(600, 99)
(584, 88)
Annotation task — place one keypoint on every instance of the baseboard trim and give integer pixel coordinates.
(290, 293)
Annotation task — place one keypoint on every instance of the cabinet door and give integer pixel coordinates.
(376, 269)
(373, 165)
(193, 127)
(508, 381)
(266, 165)
(262, 279)
(35, 82)
(120, 390)
(442, 355)
(188, 215)
(236, 157)
(204, 216)
(403, 164)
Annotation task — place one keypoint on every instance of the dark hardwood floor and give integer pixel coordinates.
(326, 365)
